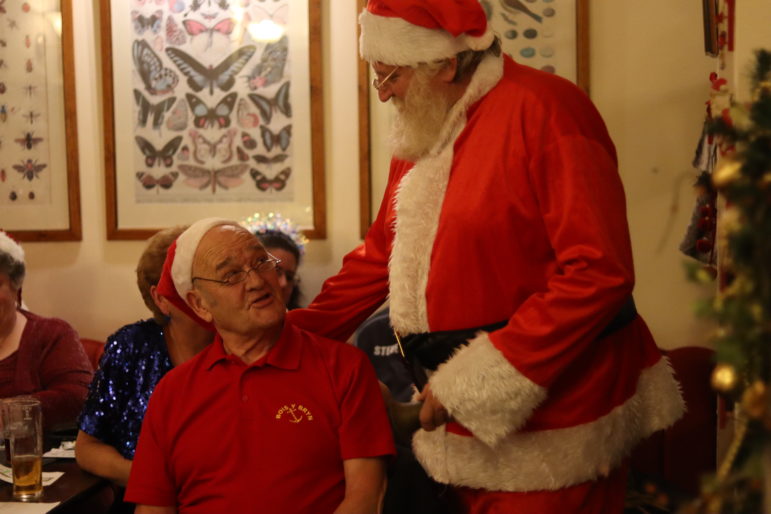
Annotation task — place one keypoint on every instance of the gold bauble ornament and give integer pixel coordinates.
(724, 378)
(740, 116)
(706, 274)
(727, 173)
(754, 400)
(763, 87)
(714, 504)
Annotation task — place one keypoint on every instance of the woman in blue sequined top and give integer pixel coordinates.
(136, 357)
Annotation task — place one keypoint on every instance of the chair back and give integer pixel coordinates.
(94, 350)
(687, 450)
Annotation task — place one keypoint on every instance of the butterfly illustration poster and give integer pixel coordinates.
(212, 112)
(543, 34)
(39, 197)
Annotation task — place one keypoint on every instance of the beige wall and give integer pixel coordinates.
(752, 19)
(649, 80)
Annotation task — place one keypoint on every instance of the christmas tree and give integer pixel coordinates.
(742, 306)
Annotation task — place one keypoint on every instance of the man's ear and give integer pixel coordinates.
(448, 71)
(159, 300)
(198, 304)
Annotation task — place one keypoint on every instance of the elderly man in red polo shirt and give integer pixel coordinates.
(268, 418)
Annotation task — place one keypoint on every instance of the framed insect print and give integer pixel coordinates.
(551, 35)
(213, 108)
(711, 31)
(39, 189)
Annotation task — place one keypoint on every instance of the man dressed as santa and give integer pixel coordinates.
(502, 242)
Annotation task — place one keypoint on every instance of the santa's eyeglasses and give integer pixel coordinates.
(377, 84)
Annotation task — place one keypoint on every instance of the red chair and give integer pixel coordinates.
(680, 455)
(94, 350)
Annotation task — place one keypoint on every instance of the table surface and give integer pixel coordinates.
(70, 487)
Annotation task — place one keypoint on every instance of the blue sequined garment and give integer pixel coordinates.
(135, 359)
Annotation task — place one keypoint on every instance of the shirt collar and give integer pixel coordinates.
(285, 354)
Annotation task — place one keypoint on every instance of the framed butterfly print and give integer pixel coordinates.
(39, 186)
(212, 108)
(551, 35)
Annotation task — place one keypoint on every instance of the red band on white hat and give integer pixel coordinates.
(167, 289)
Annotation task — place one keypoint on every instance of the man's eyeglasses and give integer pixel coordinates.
(264, 265)
(377, 84)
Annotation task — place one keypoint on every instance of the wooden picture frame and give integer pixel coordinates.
(711, 30)
(209, 165)
(39, 179)
(373, 163)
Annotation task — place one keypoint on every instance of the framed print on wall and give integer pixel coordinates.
(212, 108)
(552, 35)
(39, 184)
(710, 11)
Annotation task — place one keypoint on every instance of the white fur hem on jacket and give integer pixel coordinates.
(554, 459)
(490, 413)
(418, 204)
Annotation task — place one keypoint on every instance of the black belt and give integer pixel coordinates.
(428, 350)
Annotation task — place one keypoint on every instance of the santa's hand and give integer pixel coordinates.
(432, 414)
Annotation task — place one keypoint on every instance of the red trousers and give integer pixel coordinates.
(603, 496)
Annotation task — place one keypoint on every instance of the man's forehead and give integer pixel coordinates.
(226, 242)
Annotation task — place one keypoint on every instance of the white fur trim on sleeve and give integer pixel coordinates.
(484, 392)
(187, 243)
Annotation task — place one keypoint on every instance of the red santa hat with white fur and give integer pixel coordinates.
(409, 32)
(177, 275)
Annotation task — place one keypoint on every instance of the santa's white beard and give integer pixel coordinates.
(419, 118)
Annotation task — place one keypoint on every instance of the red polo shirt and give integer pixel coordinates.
(221, 436)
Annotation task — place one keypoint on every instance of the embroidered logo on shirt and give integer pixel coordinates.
(295, 413)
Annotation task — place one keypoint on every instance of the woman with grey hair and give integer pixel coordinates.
(39, 356)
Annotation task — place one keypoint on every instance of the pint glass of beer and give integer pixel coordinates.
(23, 418)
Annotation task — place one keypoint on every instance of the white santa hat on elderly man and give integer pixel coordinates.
(185, 247)
(408, 32)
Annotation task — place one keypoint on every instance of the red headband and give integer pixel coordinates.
(166, 289)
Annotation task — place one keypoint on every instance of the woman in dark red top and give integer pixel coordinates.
(39, 356)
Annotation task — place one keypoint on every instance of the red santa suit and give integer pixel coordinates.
(518, 213)
(525, 222)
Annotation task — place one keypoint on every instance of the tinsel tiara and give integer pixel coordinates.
(259, 223)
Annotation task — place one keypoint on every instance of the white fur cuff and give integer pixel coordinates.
(463, 385)
(553, 459)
